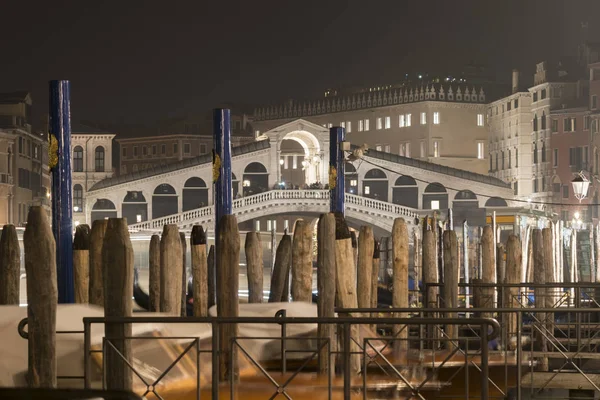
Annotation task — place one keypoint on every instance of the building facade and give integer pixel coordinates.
(24, 172)
(442, 123)
(92, 161)
(180, 140)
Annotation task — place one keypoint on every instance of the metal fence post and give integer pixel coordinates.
(484, 362)
(346, 359)
(215, 359)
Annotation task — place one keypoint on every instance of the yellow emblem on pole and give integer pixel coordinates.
(332, 177)
(52, 151)
(216, 166)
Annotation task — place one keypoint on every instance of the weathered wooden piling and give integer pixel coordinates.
(42, 299)
(430, 277)
(451, 275)
(96, 276)
(81, 264)
(183, 274)
(171, 268)
(400, 288)
(154, 273)
(212, 279)
(539, 277)
(254, 267)
(281, 271)
(500, 272)
(365, 266)
(326, 277)
(199, 271)
(10, 266)
(488, 270)
(228, 272)
(514, 267)
(117, 260)
(346, 281)
(302, 262)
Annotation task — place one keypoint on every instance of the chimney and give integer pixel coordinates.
(515, 80)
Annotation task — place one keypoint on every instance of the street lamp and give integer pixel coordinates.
(580, 186)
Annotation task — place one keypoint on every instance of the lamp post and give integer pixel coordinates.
(581, 185)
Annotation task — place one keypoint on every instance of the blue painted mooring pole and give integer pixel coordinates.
(62, 207)
(336, 170)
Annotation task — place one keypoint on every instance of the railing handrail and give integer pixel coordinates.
(275, 194)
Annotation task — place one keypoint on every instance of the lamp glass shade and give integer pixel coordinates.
(580, 187)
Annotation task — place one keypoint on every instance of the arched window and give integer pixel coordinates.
(99, 159)
(535, 153)
(78, 159)
(77, 198)
(535, 123)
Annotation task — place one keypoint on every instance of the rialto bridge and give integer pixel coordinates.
(282, 173)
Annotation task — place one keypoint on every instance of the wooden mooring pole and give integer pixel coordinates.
(117, 259)
(154, 273)
(171, 269)
(302, 262)
(228, 272)
(10, 266)
(326, 280)
(96, 275)
(400, 288)
(199, 271)
(281, 271)
(42, 299)
(81, 264)
(364, 271)
(451, 271)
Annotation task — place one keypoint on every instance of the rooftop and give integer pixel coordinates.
(15, 97)
(78, 129)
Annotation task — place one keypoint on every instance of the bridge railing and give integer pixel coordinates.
(274, 195)
(379, 205)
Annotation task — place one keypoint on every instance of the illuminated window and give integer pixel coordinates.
(330, 125)
(366, 124)
(77, 198)
(423, 118)
(367, 190)
(256, 133)
(422, 149)
(479, 119)
(246, 183)
(349, 126)
(388, 122)
(408, 119)
(343, 124)
(436, 118)
(436, 148)
(361, 126)
(295, 161)
(257, 226)
(269, 226)
(407, 150)
(480, 150)
(402, 121)
(379, 124)
(387, 148)
(378, 147)
(435, 204)
(286, 224)
(353, 182)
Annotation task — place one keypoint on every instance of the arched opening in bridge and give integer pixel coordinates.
(495, 202)
(103, 209)
(351, 178)
(164, 201)
(375, 185)
(465, 199)
(235, 186)
(292, 164)
(308, 156)
(135, 207)
(435, 197)
(406, 192)
(255, 179)
(195, 194)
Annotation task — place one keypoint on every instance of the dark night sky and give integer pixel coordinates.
(139, 61)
